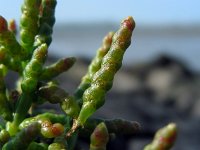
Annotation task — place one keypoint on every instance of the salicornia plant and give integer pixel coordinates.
(21, 127)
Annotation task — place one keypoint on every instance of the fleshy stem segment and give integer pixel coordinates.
(9, 42)
(11, 52)
(29, 23)
(99, 138)
(28, 85)
(57, 68)
(94, 66)
(94, 96)
(56, 95)
(46, 22)
(164, 138)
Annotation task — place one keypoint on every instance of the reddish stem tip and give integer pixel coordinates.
(3, 24)
(12, 25)
(129, 23)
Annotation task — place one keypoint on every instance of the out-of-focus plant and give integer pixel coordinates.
(21, 127)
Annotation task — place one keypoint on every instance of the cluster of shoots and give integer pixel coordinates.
(21, 126)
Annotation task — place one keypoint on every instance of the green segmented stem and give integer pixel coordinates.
(99, 138)
(95, 65)
(54, 94)
(33, 69)
(28, 85)
(102, 80)
(7, 60)
(29, 26)
(22, 139)
(46, 22)
(57, 68)
(47, 12)
(5, 109)
(164, 138)
(8, 40)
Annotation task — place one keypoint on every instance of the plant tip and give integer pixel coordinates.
(129, 23)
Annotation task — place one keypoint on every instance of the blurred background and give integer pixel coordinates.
(159, 82)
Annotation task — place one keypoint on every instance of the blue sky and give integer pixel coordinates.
(144, 11)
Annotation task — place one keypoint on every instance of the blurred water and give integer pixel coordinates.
(147, 43)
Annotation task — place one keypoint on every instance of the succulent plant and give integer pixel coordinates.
(21, 128)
